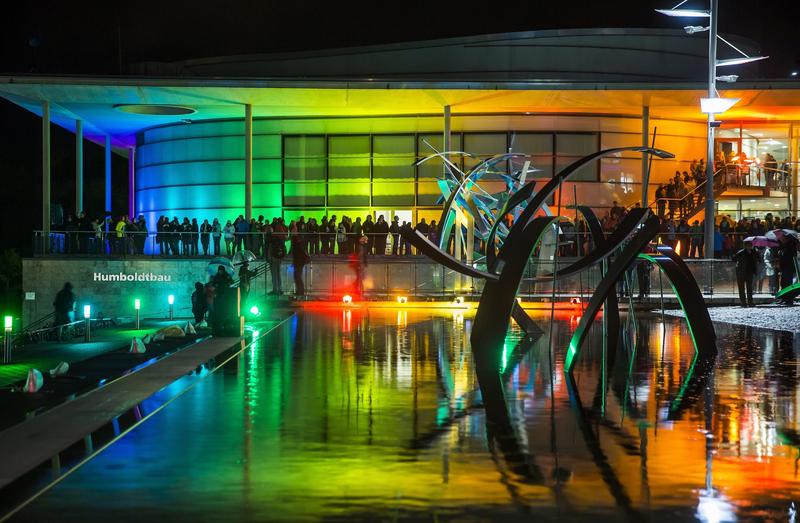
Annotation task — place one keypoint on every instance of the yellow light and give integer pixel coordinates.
(87, 311)
(402, 299)
(137, 303)
(459, 300)
(347, 299)
(171, 299)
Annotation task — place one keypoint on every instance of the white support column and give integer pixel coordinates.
(78, 167)
(45, 176)
(248, 161)
(107, 201)
(132, 182)
(708, 233)
(645, 156)
(794, 157)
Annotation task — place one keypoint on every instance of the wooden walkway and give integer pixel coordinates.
(26, 445)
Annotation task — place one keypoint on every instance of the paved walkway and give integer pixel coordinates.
(45, 356)
(775, 317)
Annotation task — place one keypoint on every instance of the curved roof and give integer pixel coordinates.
(575, 55)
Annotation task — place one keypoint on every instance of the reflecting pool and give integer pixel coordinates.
(375, 415)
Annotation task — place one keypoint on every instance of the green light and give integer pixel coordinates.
(254, 310)
(9, 322)
(137, 304)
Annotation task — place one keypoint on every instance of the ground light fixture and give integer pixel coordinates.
(347, 299)
(402, 299)
(171, 301)
(8, 323)
(459, 300)
(254, 311)
(87, 315)
(137, 304)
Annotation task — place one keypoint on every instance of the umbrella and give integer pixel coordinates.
(243, 256)
(777, 234)
(213, 266)
(761, 241)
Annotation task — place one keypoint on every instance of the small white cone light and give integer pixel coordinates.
(159, 336)
(147, 339)
(34, 382)
(189, 328)
(60, 370)
(137, 346)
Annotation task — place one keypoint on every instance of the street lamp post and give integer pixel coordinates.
(708, 231)
(714, 104)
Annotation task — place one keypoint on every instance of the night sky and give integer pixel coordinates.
(61, 38)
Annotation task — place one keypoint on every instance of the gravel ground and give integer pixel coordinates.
(776, 317)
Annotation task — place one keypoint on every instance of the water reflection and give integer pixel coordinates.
(357, 414)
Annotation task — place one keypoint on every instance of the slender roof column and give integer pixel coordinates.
(132, 182)
(248, 161)
(78, 166)
(107, 201)
(45, 176)
(645, 156)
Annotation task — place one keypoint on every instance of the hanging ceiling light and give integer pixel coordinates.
(717, 105)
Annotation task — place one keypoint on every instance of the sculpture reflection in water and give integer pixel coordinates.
(506, 254)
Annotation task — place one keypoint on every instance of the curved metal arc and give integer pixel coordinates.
(607, 285)
(523, 194)
(689, 298)
(550, 187)
(602, 250)
(428, 248)
(789, 293)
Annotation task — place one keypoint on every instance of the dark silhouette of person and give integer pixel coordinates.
(63, 304)
(245, 276)
(299, 260)
(199, 305)
(746, 265)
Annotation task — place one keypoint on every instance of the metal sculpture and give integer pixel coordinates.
(506, 266)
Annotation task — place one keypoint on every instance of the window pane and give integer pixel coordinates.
(393, 168)
(347, 194)
(301, 169)
(428, 193)
(295, 194)
(304, 146)
(349, 169)
(434, 168)
(576, 144)
(392, 193)
(532, 143)
(348, 146)
(391, 145)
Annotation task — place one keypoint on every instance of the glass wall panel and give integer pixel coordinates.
(392, 193)
(304, 193)
(393, 157)
(266, 195)
(571, 147)
(348, 194)
(428, 193)
(484, 146)
(304, 147)
(266, 170)
(266, 146)
(301, 169)
(349, 159)
(434, 168)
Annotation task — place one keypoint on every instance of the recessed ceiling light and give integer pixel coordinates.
(155, 110)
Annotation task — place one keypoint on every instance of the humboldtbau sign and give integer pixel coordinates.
(132, 277)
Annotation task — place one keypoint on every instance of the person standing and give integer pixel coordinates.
(381, 232)
(277, 251)
(229, 233)
(394, 230)
(245, 277)
(205, 236)
(194, 232)
(199, 304)
(696, 233)
(367, 230)
(300, 259)
(746, 267)
(141, 234)
(63, 304)
(216, 235)
(359, 263)
(787, 256)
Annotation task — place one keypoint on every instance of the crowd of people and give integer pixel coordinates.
(175, 237)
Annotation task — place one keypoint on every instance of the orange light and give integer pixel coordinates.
(402, 299)
(347, 299)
